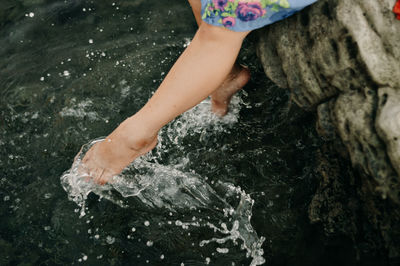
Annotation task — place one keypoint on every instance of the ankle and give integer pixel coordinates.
(136, 135)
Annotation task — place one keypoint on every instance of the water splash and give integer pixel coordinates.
(241, 228)
(80, 110)
(174, 187)
(79, 186)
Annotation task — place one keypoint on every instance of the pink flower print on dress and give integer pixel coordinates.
(247, 11)
(247, 15)
(229, 22)
(220, 4)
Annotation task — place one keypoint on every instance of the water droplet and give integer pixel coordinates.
(47, 195)
(222, 250)
(110, 240)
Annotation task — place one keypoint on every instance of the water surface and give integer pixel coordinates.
(214, 191)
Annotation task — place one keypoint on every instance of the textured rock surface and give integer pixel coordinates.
(342, 59)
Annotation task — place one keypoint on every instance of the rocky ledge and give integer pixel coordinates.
(341, 59)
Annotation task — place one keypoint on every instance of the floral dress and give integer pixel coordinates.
(246, 15)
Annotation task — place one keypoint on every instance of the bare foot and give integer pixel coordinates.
(220, 98)
(108, 158)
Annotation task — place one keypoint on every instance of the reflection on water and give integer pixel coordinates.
(214, 191)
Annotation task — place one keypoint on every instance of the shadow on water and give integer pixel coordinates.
(70, 71)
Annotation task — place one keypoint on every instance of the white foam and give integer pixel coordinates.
(200, 120)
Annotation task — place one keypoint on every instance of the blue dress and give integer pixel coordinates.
(246, 15)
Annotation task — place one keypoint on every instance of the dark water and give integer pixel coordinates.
(70, 71)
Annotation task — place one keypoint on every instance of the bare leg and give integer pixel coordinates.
(237, 78)
(194, 76)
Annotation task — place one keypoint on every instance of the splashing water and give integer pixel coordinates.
(174, 187)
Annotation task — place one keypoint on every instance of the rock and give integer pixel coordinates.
(331, 204)
(331, 47)
(388, 123)
(342, 59)
(354, 121)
